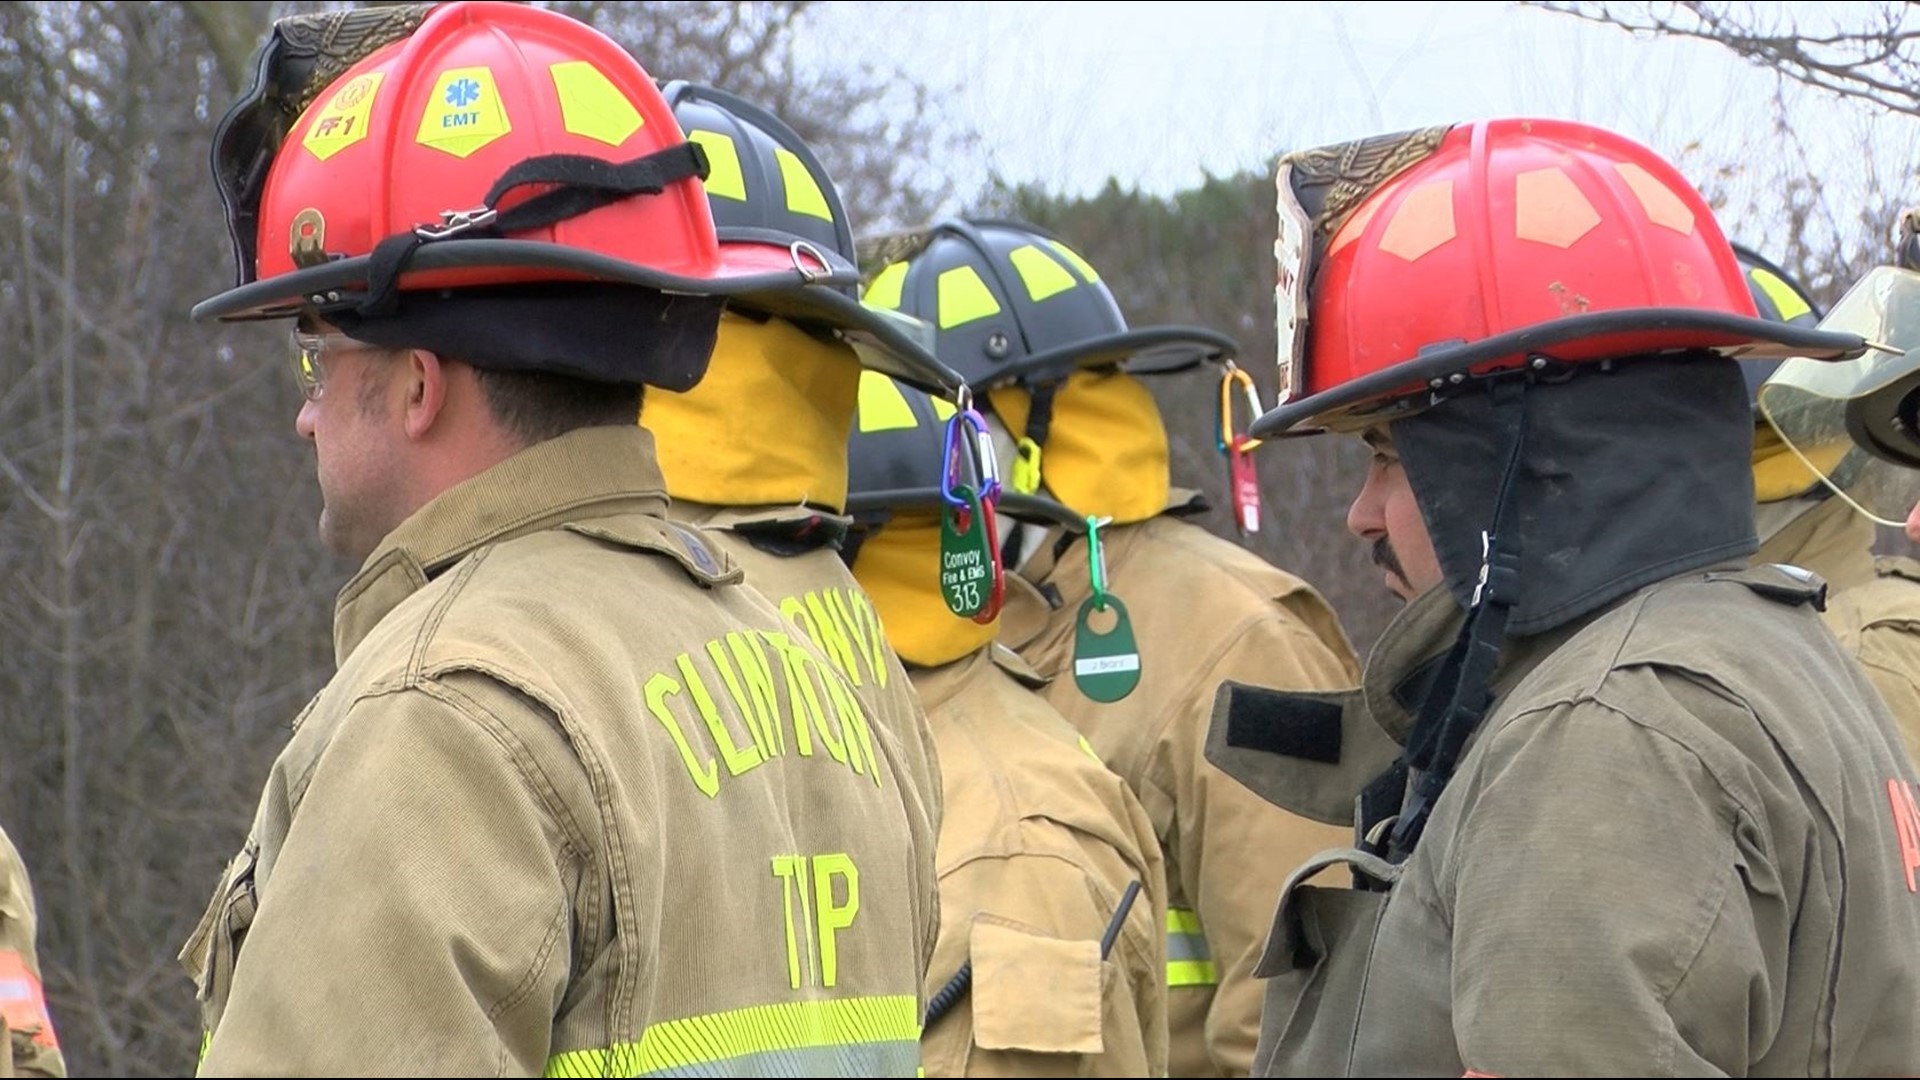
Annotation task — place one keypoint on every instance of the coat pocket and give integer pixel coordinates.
(1316, 963)
(1034, 992)
(213, 949)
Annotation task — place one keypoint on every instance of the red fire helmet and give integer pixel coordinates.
(503, 144)
(1409, 263)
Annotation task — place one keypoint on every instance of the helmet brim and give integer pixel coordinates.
(1147, 350)
(1030, 509)
(809, 295)
(1576, 338)
(343, 282)
(894, 345)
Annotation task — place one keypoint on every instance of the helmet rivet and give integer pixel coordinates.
(1539, 363)
(307, 238)
(997, 345)
(1457, 378)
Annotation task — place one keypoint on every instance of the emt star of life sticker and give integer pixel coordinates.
(464, 113)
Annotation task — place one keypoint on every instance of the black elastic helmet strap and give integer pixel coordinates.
(1462, 689)
(580, 184)
(1040, 396)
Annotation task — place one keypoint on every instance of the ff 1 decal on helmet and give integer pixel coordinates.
(774, 206)
(302, 56)
(491, 144)
(1436, 255)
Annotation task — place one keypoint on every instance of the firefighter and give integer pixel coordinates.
(1052, 892)
(770, 480)
(1873, 603)
(1625, 807)
(1024, 317)
(28, 1044)
(575, 802)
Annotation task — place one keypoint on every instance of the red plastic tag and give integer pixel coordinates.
(1245, 482)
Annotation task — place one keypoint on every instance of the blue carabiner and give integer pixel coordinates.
(951, 473)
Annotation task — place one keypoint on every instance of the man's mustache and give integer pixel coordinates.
(1384, 558)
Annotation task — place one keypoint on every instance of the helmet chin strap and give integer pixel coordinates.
(1462, 691)
(1019, 539)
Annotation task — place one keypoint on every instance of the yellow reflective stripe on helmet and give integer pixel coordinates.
(1086, 269)
(1789, 303)
(1189, 961)
(888, 284)
(724, 175)
(794, 1038)
(591, 105)
(942, 408)
(963, 297)
(882, 406)
(1040, 272)
(803, 191)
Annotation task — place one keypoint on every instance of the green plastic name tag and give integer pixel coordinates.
(966, 556)
(1106, 666)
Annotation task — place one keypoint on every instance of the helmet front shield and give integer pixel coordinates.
(1853, 422)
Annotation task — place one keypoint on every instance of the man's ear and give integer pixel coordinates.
(426, 377)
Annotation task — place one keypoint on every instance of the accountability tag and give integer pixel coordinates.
(966, 555)
(1245, 483)
(1106, 664)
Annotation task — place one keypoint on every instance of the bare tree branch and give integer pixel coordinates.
(1873, 56)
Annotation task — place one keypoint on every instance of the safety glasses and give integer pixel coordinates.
(308, 355)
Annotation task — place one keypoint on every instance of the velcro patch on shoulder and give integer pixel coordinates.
(705, 562)
(1287, 724)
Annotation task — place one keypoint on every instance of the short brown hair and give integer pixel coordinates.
(535, 406)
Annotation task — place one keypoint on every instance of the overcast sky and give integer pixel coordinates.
(1066, 95)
